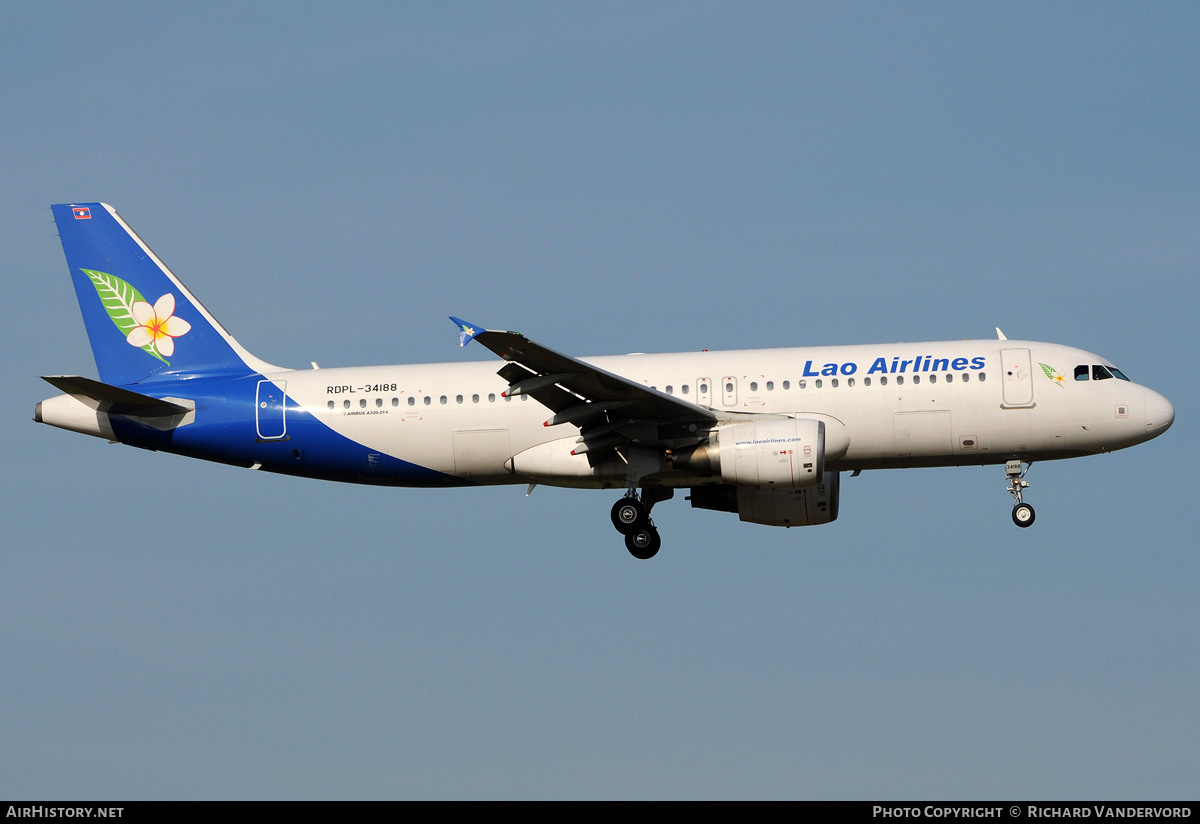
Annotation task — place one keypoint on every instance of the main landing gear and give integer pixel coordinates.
(1022, 513)
(631, 517)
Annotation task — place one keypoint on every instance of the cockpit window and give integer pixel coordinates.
(1096, 372)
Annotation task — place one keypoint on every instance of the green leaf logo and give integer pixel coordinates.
(1052, 373)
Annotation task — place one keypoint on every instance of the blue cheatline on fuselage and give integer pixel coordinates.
(224, 432)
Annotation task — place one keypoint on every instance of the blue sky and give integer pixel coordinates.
(333, 182)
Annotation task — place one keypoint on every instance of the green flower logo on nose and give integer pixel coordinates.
(1052, 374)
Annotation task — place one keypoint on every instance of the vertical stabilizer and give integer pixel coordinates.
(142, 322)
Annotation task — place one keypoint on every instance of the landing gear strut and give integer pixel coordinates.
(1022, 513)
(631, 517)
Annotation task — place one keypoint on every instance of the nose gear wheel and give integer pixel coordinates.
(1022, 513)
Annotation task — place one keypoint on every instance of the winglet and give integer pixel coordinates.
(467, 331)
(1000, 335)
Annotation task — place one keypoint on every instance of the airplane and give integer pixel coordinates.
(764, 434)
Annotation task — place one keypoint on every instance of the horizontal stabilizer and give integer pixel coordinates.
(113, 399)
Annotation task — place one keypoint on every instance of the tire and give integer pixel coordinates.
(1023, 515)
(628, 515)
(643, 543)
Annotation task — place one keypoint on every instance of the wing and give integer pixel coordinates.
(610, 410)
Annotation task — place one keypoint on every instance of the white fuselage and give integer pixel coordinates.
(923, 404)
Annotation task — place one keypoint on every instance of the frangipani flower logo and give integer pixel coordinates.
(1053, 374)
(152, 328)
(157, 325)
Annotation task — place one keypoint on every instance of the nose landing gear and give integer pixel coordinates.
(1022, 513)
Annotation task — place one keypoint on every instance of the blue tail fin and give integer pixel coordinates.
(142, 322)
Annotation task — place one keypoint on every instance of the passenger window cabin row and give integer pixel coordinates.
(704, 388)
(426, 400)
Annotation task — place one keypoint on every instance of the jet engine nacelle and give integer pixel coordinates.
(779, 453)
(776, 454)
(809, 506)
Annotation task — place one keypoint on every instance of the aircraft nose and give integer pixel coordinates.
(1160, 414)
